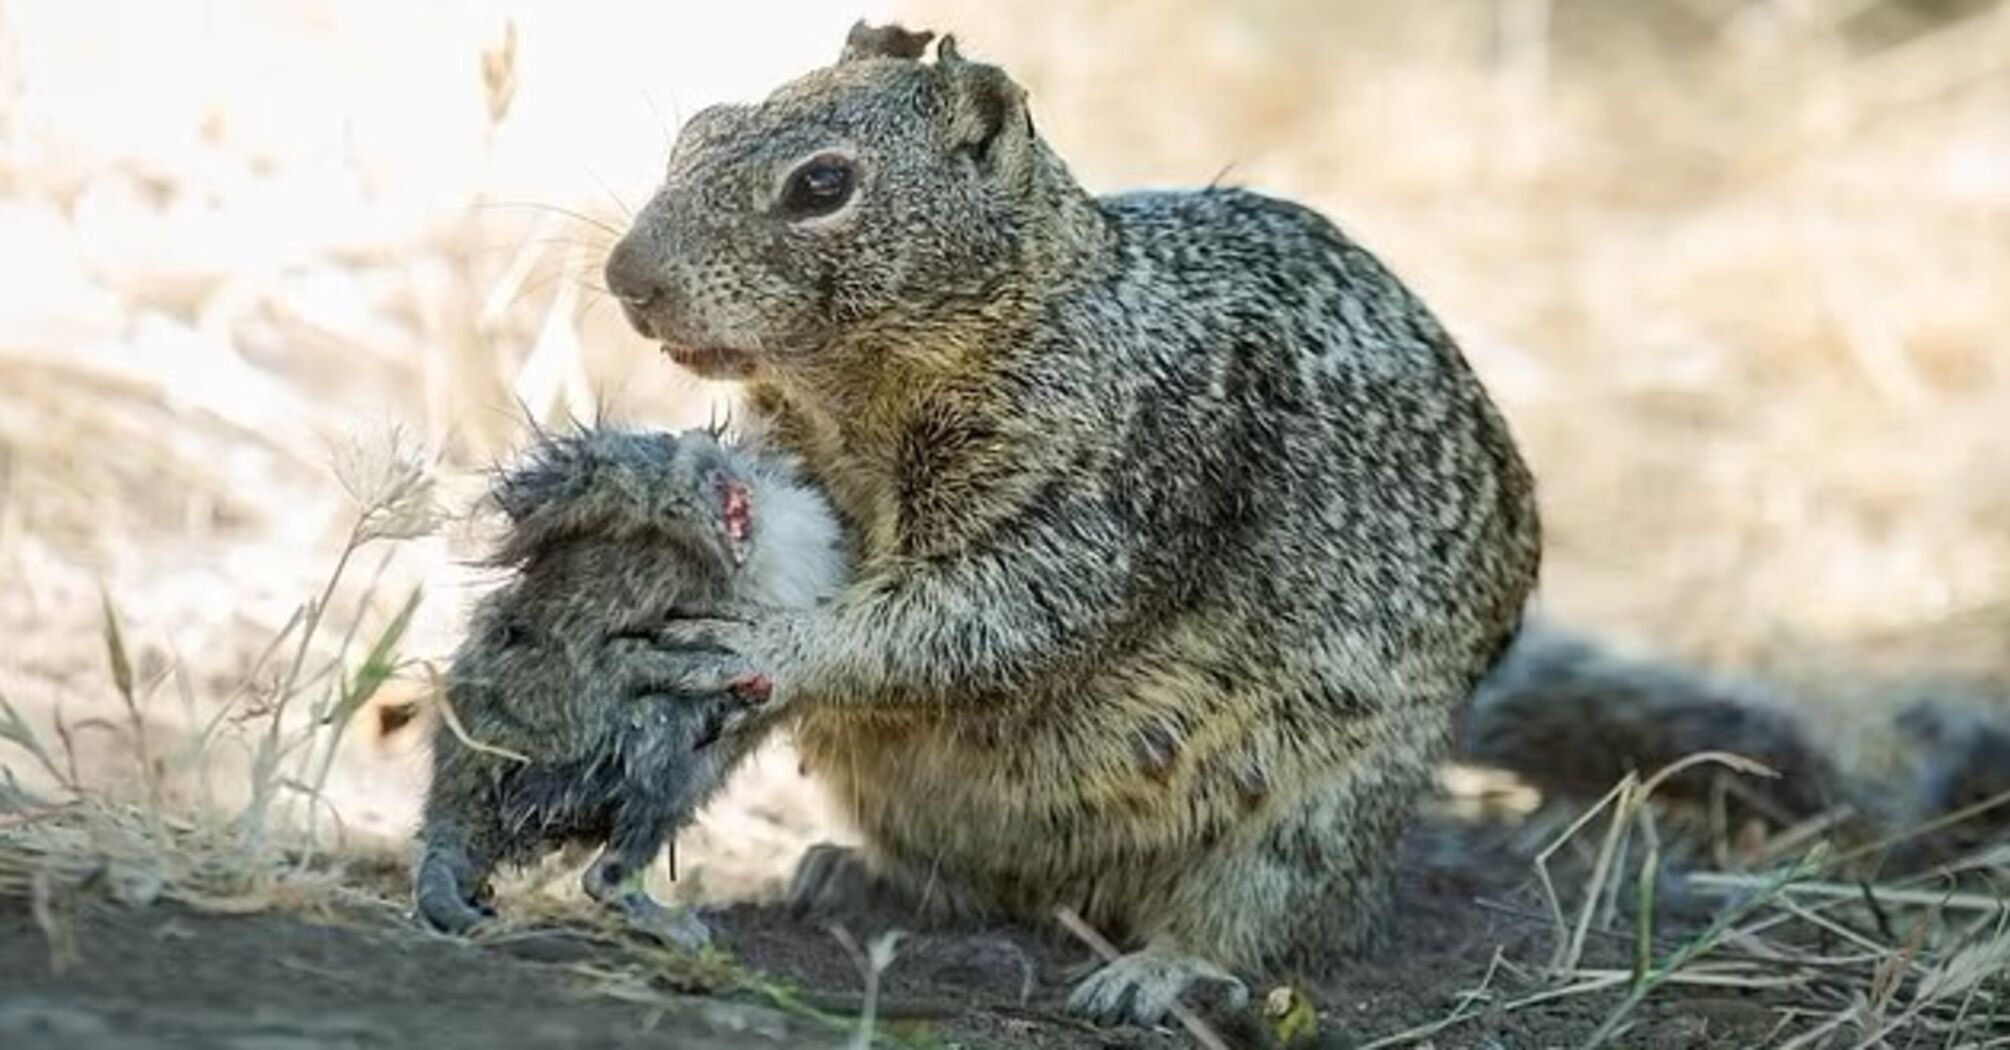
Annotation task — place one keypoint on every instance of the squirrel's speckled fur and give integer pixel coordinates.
(609, 533)
(1182, 526)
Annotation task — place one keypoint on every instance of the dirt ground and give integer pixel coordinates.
(360, 976)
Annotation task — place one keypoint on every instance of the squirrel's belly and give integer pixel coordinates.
(1090, 802)
(933, 783)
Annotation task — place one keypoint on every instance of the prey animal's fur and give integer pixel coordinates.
(610, 534)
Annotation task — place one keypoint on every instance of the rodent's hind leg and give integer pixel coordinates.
(1298, 881)
(615, 880)
(1142, 987)
(833, 878)
(449, 891)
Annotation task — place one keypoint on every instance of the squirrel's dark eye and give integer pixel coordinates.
(820, 187)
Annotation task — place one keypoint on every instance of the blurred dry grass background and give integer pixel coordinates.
(1739, 271)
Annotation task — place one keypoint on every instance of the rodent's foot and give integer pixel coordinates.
(1141, 988)
(443, 908)
(448, 895)
(619, 886)
(678, 927)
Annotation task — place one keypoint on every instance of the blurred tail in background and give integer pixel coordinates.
(1572, 716)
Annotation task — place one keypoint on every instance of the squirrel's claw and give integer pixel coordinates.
(709, 634)
(705, 656)
(1141, 988)
(674, 666)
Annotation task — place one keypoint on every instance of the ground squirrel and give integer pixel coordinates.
(609, 532)
(1572, 715)
(1182, 526)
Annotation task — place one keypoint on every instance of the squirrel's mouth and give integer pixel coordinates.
(712, 362)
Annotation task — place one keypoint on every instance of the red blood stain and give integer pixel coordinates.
(739, 512)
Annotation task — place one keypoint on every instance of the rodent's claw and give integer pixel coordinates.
(444, 909)
(448, 893)
(1141, 988)
(619, 886)
(673, 926)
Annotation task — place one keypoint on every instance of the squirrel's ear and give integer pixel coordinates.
(887, 41)
(987, 112)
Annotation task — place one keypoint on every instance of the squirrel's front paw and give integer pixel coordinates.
(701, 656)
(703, 634)
(686, 663)
(1141, 988)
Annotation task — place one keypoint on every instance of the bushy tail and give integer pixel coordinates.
(1572, 717)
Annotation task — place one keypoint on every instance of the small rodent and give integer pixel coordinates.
(1182, 526)
(610, 532)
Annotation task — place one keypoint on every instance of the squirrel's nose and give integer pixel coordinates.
(635, 280)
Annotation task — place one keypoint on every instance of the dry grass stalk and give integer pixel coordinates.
(872, 961)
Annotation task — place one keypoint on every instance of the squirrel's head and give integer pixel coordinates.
(877, 185)
(602, 485)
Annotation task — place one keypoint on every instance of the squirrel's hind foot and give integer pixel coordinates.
(1141, 988)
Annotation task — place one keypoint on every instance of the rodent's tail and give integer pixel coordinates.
(1572, 716)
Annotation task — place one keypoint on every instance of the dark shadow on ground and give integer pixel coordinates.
(360, 976)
